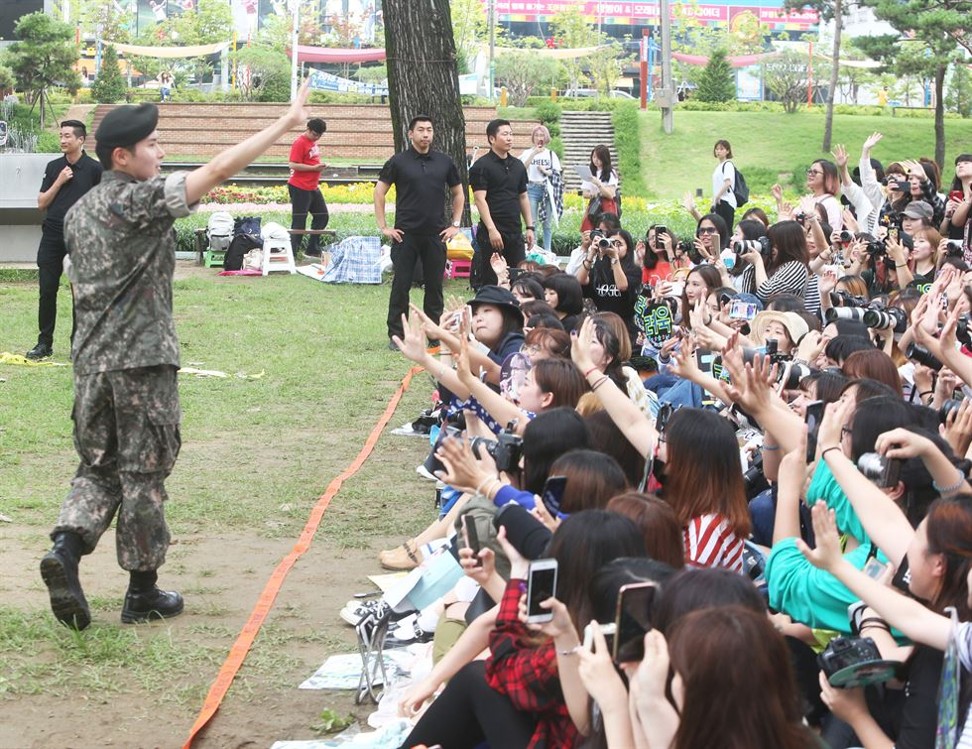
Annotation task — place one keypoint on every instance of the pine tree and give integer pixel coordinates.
(109, 86)
(717, 82)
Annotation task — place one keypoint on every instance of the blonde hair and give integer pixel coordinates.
(540, 129)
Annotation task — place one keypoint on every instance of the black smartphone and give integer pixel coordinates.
(541, 585)
(632, 621)
(812, 416)
(553, 493)
(698, 192)
(659, 231)
(472, 537)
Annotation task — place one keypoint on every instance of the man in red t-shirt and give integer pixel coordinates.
(305, 196)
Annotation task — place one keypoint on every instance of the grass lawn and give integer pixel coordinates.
(256, 455)
(771, 146)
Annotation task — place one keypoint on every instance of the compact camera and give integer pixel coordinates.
(880, 470)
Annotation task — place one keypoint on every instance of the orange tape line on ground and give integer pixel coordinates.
(244, 640)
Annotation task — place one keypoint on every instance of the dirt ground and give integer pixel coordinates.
(221, 577)
(302, 628)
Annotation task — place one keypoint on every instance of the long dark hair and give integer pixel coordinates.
(584, 543)
(790, 243)
(949, 530)
(604, 154)
(547, 437)
(698, 438)
(718, 711)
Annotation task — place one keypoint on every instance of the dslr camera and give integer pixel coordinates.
(599, 240)
(854, 662)
(761, 245)
(878, 317)
(506, 450)
(923, 356)
(953, 248)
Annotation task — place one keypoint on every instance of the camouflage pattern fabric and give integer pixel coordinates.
(122, 247)
(126, 432)
(126, 355)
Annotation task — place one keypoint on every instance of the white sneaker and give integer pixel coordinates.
(356, 610)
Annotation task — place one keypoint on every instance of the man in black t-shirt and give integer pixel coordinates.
(420, 176)
(65, 180)
(499, 184)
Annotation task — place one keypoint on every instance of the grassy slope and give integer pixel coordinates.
(770, 146)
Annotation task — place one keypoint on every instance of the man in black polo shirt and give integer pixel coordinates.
(65, 180)
(499, 184)
(420, 176)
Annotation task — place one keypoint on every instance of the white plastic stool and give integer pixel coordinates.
(278, 256)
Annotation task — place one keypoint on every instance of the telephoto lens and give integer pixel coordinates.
(882, 319)
(923, 356)
(844, 313)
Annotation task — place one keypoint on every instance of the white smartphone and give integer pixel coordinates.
(541, 585)
(607, 630)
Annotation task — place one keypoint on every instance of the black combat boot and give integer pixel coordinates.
(144, 601)
(59, 568)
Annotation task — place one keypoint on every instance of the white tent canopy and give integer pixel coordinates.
(200, 50)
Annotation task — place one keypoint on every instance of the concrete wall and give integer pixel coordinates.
(20, 219)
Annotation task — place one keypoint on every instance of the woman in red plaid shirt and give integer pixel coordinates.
(528, 692)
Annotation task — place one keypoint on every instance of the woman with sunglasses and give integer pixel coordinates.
(711, 238)
(823, 180)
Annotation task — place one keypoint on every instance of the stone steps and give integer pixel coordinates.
(580, 133)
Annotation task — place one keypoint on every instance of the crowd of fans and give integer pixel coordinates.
(746, 453)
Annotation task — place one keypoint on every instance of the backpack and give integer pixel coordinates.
(740, 189)
(246, 225)
(219, 230)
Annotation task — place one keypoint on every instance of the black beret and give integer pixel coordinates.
(126, 125)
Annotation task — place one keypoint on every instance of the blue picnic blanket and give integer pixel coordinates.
(355, 260)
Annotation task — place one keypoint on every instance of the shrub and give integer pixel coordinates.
(717, 82)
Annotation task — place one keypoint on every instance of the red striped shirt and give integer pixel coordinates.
(710, 542)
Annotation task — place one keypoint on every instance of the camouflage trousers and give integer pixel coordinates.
(126, 432)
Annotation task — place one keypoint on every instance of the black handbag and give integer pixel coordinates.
(594, 209)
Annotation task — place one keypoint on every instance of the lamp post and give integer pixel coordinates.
(492, 47)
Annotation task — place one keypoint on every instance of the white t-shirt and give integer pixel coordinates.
(725, 171)
(546, 159)
(588, 187)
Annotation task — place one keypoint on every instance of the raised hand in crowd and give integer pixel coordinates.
(652, 715)
(462, 469)
(413, 343)
(541, 513)
(603, 683)
(498, 263)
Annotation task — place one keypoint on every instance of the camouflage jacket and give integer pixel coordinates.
(122, 247)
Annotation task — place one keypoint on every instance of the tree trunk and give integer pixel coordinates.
(423, 77)
(834, 74)
(940, 115)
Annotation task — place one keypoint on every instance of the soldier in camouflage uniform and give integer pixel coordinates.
(126, 355)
